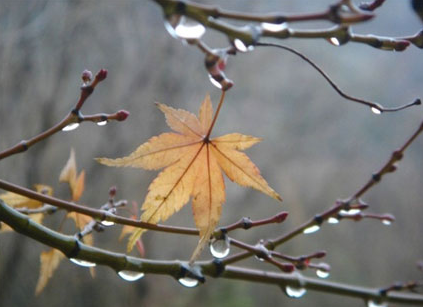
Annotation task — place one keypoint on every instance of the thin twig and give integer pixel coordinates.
(368, 103)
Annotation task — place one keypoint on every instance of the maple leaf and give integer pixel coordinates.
(69, 174)
(49, 261)
(193, 169)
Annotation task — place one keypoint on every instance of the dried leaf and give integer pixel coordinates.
(80, 219)
(193, 169)
(18, 201)
(69, 175)
(49, 260)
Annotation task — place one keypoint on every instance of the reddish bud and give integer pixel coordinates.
(287, 267)
(112, 191)
(319, 254)
(401, 45)
(101, 75)
(122, 115)
(280, 217)
(86, 76)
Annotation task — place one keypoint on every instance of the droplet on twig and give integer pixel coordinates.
(70, 127)
(273, 27)
(371, 303)
(241, 47)
(215, 82)
(188, 282)
(180, 27)
(189, 29)
(102, 123)
(83, 263)
(376, 111)
(322, 273)
(294, 292)
(311, 229)
(220, 248)
(107, 223)
(333, 220)
(130, 275)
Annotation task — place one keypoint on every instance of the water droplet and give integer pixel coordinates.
(333, 220)
(322, 273)
(374, 304)
(376, 111)
(311, 229)
(107, 223)
(83, 263)
(220, 248)
(350, 212)
(130, 275)
(334, 41)
(102, 123)
(188, 282)
(295, 292)
(240, 46)
(70, 127)
(214, 82)
(171, 23)
(273, 27)
(189, 29)
(386, 222)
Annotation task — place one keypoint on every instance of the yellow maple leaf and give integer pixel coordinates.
(193, 169)
(49, 261)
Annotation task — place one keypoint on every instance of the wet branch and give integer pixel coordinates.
(73, 248)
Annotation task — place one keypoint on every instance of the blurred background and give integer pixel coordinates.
(317, 146)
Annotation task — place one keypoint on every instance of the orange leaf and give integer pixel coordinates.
(19, 201)
(194, 165)
(49, 262)
(69, 175)
(80, 219)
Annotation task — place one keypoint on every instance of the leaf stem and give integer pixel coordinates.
(222, 98)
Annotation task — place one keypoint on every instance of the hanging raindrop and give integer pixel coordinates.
(107, 223)
(322, 273)
(273, 27)
(294, 292)
(333, 220)
(334, 41)
(220, 248)
(386, 222)
(171, 22)
(70, 127)
(311, 229)
(102, 123)
(371, 303)
(350, 212)
(240, 46)
(189, 29)
(215, 82)
(83, 263)
(130, 275)
(376, 111)
(188, 282)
